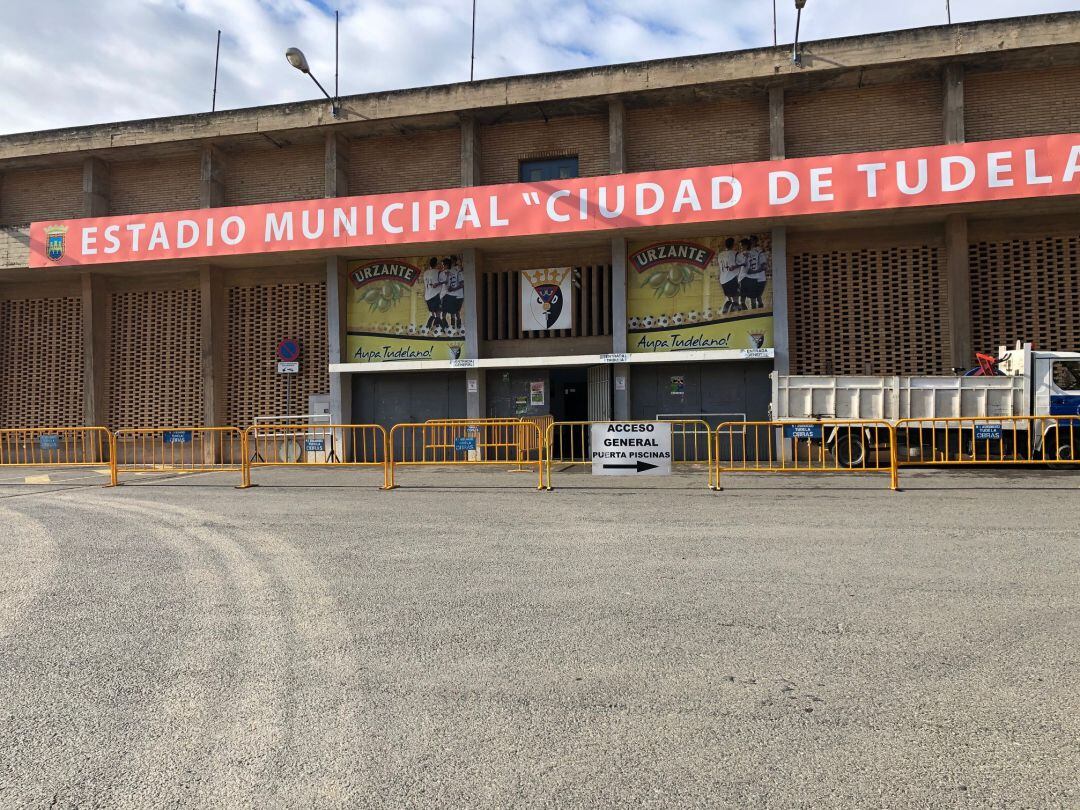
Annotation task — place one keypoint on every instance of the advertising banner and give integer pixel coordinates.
(406, 309)
(547, 299)
(982, 171)
(694, 294)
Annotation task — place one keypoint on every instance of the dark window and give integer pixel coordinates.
(533, 171)
(1067, 375)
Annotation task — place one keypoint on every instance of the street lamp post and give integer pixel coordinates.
(799, 6)
(299, 61)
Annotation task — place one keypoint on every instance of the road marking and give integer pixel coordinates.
(37, 479)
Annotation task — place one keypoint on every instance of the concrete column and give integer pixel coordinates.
(212, 177)
(212, 340)
(958, 282)
(95, 188)
(618, 326)
(340, 384)
(336, 170)
(777, 142)
(475, 397)
(958, 271)
(95, 348)
(953, 115)
(616, 137)
(781, 340)
(470, 151)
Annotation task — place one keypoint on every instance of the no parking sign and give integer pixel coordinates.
(288, 350)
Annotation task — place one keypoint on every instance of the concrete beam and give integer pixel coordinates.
(777, 139)
(212, 177)
(337, 165)
(1028, 34)
(621, 400)
(958, 283)
(95, 348)
(953, 114)
(475, 395)
(95, 188)
(616, 137)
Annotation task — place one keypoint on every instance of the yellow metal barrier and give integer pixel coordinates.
(1019, 440)
(465, 442)
(58, 447)
(185, 450)
(836, 446)
(569, 443)
(316, 446)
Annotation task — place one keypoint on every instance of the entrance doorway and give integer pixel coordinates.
(569, 394)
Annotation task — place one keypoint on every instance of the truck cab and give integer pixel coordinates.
(1054, 378)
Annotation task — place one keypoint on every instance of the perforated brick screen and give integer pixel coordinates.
(41, 362)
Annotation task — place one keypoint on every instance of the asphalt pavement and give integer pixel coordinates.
(468, 641)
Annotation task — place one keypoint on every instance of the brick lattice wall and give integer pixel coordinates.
(503, 146)
(399, 163)
(155, 363)
(1026, 289)
(41, 362)
(1018, 104)
(258, 317)
(705, 134)
(879, 117)
(869, 311)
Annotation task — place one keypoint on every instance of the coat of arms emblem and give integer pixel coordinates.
(55, 241)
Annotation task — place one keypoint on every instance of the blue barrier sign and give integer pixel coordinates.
(802, 431)
(985, 433)
(314, 445)
(176, 437)
(463, 443)
(49, 442)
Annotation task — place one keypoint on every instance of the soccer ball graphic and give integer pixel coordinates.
(677, 319)
(707, 315)
(424, 330)
(648, 322)
(437, 332)
(693, 316)
(399, 328)
(411, 329)
(662, 320)
(634, 323)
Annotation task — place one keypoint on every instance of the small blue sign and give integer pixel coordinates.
(176, 437)
(314, 445)
(49, 442)
(802, 431)
(463, 443)
(984, 433)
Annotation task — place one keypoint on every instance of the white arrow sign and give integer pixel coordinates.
(631, 448)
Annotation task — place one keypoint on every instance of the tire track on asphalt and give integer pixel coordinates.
(29, 563)
(305, 656)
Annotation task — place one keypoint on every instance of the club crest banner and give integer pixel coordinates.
(547, 299)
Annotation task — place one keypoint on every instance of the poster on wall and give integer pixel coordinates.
(406, 309)
(546, 299)
(707, 293)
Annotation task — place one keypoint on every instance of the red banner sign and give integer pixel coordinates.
(905, 178)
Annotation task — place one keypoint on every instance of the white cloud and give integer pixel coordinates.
(75, 62)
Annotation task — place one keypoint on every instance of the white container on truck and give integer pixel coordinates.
(1027, 383)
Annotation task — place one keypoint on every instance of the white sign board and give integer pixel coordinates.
(284, 367)
(631, 448)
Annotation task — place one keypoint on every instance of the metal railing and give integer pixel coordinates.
(179, 450)
(828, 446)
(58, 448)
(1013, 440)
(570, 444)
(468, 442)
(312, 446)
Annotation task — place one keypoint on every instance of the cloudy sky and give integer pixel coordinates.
(72, 62)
